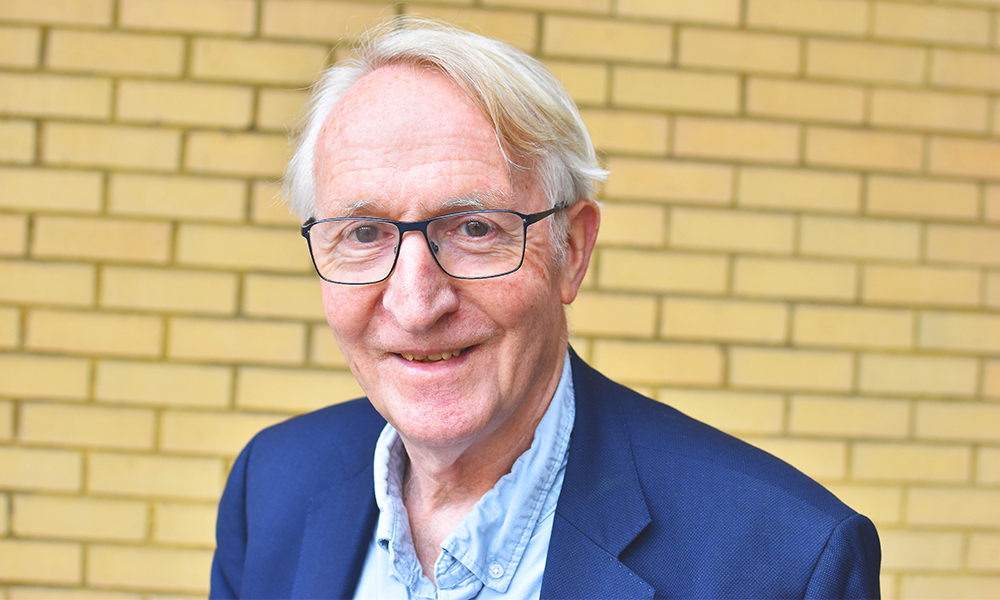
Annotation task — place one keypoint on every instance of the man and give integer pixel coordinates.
(446, 184)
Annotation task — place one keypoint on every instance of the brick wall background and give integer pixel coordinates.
(801, 245)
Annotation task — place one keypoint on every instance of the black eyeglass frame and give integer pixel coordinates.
(404, 227)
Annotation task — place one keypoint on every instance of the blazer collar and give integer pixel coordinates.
(602, 508)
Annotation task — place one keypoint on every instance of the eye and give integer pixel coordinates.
(365, 234)
(474, 228)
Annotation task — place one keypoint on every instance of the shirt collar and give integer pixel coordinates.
(489, 542)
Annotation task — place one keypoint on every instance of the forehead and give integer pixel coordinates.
(406, 132)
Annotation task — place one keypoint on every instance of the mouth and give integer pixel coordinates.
(429, 358)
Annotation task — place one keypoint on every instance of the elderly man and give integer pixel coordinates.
(446, 181)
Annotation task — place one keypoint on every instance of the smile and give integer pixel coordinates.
(432, 357)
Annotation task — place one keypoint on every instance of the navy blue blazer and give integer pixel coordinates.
(654, 505)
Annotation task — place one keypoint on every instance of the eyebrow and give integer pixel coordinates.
(490, 200)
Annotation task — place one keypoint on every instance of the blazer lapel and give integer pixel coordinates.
(338, 530)
(601, 506)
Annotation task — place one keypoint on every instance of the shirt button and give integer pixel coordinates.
(496, 571)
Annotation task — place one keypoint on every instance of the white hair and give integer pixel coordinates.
(536, 122)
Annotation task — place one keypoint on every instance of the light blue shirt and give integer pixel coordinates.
(499, 548)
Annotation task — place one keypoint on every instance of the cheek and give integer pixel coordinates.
(344, 314)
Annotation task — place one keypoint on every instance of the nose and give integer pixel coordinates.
(418, 294)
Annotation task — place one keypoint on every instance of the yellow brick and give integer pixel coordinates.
(658, 272)
(217, 433)
(24, 561)
(222, 16)
(79, 518)
(258, 154)
(949, 586)
(596, 6)
(243, 248)
(4, 515)
(586, 83)
(849, 417)
(659, 363)
(47, 283)
(919, 375)
(101, 239)
(615, 315)
(736, 139)
(39, 190)
(96, 333)
(882, 504)
(17, 141)
(921, 286)
(168, 290)
(155, 476)
(955, 243)
(637, 179)
(859, 238)
(294, 390)
(177, 197)
(818, 459)
(723, 320)
(820, 16)
(611, 40)
(632, 225)
(267, 206)
(114, 52)
(991, 381)
(257, 61)
(46, 377)
(519, 29)
(953, 506)
(619, 131)
(988, 465)
(921, 550)
(64, 425)
(6, 433)
(279, 109)
(993, 204)
(13, 235)
(852, 327)
(83, 12)
(793, 278)
(725, 12)
(36, 469)
(185, 523)
(782, 369)
(958, 68)
(19, 46)
(909, 462)
(325, 351)
(733, 412)
(161, 383)
(10, 330)
(869, 150)
(959, 421)
(984, 551)
(283, 296)
(731, 230)
(641, 87)
(236, 341)
(739, 51)
(63, 593)
(40, 95)
(906, 197)
(315, 19)
(805, 100)
(965, 157)
(110, 146)
(962, 332)
(864, 61)
(799, 189)
(148, 568)
(930, 110)
(947, 25)
(184, 103)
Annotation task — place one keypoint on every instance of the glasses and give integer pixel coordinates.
(466, 245)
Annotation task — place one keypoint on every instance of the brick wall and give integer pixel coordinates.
(801, 245)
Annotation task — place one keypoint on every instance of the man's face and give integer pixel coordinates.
(407, 144)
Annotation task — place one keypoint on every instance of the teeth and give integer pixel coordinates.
(432, 357)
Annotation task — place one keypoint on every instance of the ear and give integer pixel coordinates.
(584, 221)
